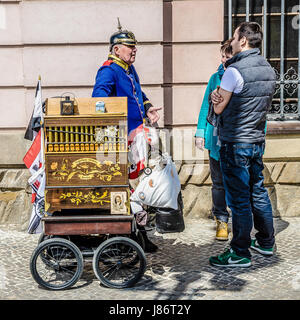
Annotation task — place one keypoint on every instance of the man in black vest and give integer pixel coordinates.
(242, 102)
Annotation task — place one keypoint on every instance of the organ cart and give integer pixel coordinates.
(87, 196)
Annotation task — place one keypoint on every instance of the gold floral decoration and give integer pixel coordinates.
(85, 169)
(79, 197)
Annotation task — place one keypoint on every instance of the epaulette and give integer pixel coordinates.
(107, 63)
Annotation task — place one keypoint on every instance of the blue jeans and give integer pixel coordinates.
(246, 196)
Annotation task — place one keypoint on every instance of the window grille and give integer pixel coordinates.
(280, 22)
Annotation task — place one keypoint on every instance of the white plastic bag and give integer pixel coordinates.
(160, 188)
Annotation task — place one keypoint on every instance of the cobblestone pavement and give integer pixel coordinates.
(179, 270)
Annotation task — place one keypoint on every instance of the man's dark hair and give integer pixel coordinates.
(252, 32)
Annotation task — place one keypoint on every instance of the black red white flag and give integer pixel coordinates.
(34, 161)
(37, 114)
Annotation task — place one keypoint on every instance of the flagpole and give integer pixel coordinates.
(42, 128)
(42, 146)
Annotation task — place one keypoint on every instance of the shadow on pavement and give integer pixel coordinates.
(182, 271)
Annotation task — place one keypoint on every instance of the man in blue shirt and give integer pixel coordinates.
(117, 77)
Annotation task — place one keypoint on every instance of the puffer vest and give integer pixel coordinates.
(244, 118)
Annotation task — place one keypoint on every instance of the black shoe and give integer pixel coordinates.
(150, 246)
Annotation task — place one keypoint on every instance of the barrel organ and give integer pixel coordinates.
(86, 155)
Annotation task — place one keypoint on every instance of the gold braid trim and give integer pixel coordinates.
(118, 61)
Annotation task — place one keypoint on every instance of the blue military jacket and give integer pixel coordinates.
(116, 79)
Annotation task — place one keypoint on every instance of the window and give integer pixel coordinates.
(281, 47)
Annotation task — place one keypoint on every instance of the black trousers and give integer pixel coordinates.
(219, 206)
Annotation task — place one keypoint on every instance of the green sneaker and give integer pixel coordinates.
(257, 247)
(229, 259)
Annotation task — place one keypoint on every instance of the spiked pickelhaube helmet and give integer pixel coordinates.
(122, 37)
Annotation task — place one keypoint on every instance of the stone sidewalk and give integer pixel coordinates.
(179, 270)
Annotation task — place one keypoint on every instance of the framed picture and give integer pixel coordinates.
(118, 202)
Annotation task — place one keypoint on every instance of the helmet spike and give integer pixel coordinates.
(122, 37)
(119, 25)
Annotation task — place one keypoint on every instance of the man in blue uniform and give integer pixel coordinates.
(117, 77)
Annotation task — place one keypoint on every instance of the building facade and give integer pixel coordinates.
(65, 42)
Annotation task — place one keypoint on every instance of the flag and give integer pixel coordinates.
(37, 183)
(137, 151)
(34, 161)
(138, 141)
(37, 114)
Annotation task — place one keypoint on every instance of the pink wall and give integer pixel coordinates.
(66, 41)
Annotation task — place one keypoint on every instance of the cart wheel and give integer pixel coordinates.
(44, 255)
(119, 262)
(44, 237)
(56, 264)
(138, 238)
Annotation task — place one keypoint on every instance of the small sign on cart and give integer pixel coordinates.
(118, 203)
